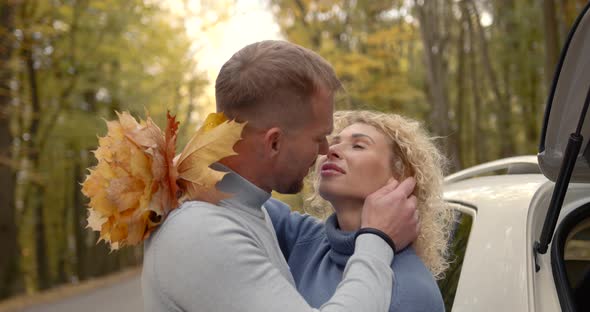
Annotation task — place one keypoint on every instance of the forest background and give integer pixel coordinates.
(476, 72)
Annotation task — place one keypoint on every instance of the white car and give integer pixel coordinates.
(522, 241)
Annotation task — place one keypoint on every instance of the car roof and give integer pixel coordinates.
(495, 192)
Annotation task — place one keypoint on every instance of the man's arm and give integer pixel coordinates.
(392, 210)
(210, 262)
(291, 227)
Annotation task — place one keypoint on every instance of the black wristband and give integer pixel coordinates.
(379, 233)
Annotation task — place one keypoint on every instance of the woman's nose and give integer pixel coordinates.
(333, 152)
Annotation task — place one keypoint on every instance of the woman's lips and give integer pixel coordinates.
(329, 170)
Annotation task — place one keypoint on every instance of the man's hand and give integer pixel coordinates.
(392, 210)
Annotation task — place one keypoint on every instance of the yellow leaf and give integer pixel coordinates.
(213, 120)
(212, 142)
(95, 220)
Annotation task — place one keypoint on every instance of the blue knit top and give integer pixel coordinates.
(317, 254)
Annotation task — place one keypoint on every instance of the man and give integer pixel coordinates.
(225, 257)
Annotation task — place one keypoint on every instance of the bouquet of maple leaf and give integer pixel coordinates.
(138, 180)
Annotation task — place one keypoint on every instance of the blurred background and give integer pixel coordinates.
(476, 72)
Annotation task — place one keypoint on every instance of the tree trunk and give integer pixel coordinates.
(507, 146)
(63, 224)
(460, 102)
(36, 192)
(434, 39)
(9, 262)
(551, 40)
(479, 142)
(79, 218)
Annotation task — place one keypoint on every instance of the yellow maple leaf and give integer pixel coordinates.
(212, 142)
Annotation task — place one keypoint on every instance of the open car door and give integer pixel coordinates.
(564, 152)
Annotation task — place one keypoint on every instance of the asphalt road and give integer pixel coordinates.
(122, 296)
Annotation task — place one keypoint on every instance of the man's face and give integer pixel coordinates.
(301, 148)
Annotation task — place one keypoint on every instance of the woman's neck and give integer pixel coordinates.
(348, 214)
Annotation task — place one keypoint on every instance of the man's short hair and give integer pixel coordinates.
(270, 83)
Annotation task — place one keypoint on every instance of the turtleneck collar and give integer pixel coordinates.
(244, 194)
(341, 242)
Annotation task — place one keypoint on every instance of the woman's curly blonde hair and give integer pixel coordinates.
(414, 154)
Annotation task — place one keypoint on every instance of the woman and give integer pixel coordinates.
(368, 149)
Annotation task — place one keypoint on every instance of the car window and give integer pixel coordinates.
(576, 258)
(458, 244)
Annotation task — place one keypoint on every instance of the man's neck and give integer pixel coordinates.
(246, 171)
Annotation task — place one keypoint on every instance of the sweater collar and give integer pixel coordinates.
(341, 242)
(244, 195)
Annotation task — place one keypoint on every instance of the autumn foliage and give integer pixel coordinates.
(136, 182)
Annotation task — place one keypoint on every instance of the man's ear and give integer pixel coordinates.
(272, 141)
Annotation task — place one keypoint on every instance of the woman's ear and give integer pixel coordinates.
(272, 141)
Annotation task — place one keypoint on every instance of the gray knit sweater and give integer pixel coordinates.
(226, 258)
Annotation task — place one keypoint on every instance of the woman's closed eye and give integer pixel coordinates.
(358, 146)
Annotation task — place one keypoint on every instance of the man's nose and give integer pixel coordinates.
(324, 147)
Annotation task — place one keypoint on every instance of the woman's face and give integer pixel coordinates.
(357, 164)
